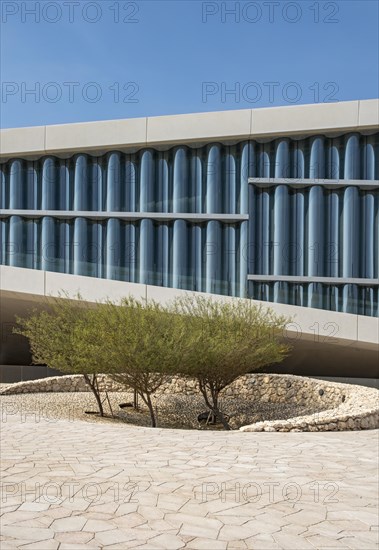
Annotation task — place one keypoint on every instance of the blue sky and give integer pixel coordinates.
(107, 59)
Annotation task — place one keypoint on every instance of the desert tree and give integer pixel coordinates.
(67, 337)
(144, 346)
(225, 339)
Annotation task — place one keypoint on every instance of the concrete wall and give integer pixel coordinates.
(197, 128)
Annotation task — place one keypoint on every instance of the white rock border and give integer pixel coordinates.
(352, 407)
(338, 406)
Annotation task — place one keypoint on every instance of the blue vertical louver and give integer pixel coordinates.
(316, 231)
(273, 231)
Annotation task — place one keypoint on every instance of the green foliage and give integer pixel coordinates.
(144, 346)
(225, 340)
(139, 343)
(66, 338)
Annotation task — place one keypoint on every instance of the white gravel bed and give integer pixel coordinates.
(176, 411)
(53, 406)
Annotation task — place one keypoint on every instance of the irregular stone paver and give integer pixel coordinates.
(78, 485)
(73, 523)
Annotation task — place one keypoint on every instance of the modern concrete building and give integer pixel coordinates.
(279, 205)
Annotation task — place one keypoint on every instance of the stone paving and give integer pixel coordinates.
(76, 485)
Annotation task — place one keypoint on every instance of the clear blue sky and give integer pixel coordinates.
(181, 56)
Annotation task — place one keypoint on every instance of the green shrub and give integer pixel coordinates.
(225, 340)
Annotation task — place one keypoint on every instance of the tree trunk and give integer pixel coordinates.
(135, 400)
(218, 413)
(214, 405)
(149, 404)
(95, 390)
(221, 417)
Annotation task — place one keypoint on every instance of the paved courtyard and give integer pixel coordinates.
(74, 484)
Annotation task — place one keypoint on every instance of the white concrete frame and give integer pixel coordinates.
(131, 216)
(301, 183)
(198, 128)
(310, 279)
(308, 324)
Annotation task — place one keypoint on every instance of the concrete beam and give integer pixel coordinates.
(301, 183)
(131, 216)
(306, 324)
(163, 132)
(300, 279)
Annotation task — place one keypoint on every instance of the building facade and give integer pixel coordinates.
(281, 215)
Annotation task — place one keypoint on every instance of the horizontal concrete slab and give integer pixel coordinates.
(301, 183)
(15, 279)
(306, 324)
(21, 142)
(91, 289)
(109, 134)
(299, 119)
(199, 127)
(309, 279)
(368, 112)
(319, 325)
(164, 131)
(130, 216)
(368, 331)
